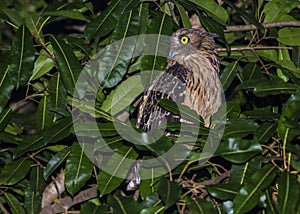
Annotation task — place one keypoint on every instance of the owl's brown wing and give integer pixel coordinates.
(170, 84)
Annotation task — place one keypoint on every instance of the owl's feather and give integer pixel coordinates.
(170, 84)
(191, 78)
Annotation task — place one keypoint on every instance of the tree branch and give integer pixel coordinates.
(265, 25)
(248, 48)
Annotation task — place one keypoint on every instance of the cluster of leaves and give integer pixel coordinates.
(43, 51)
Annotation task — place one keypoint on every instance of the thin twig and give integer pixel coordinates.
(3, 209)
(248, 48)
(265, 25)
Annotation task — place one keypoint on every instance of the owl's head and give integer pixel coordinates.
(186, 41)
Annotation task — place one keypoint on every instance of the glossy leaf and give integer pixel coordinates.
(67, 13)
(249, 194)
(12, 16)
(42, 65)
(228, 74)
(37, 183)
(160, 25)
(288, 192)
(55, 162)
(44, 116)
(183, 15)
(78, 168)
(200, 206)
(22, 60)
(181, 110)
(288, 126)
(4, 118)
(67, 63)
(265, 132)
(109, 182)
(107, 21)
(14, 171)
(123, 95)
(6, 87)
(274, 87)
(15, 205)
(169, 191)
(57, 97)
(289, 36)
(116, 57)
(223, 191)
(247, 16)
(53, 134)
(121, 204)
(237, 150)
(215, 11)
(33, 200)
(278, 10)
(239, 128)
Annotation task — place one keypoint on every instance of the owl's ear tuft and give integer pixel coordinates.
(213, 35)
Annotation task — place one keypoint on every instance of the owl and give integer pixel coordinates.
(191, 78)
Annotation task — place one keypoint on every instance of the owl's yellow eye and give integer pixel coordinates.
(184, 40)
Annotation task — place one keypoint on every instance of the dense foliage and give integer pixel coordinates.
(44, 46)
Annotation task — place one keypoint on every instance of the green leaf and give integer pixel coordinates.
(53, 134)
(278, 10)
(109, 182)
(179, 109)
(56, 161)
(151, 200)
(6, 87)
(107, 21)
(121, 97)
(288, 192)
(15, 205)
(289, 36)
(223, 191)
(13, 17)
(249, 194)
(57, 96)
(239, 128)
(200, 206)
(215, 11)
(14, 171)
(143, 14)
(68, 14)
(117, 56)
(121, 204)
(247, 16)
(248, 169)
(213, 26)
(160, 25)
(265, 132)
(42, 65)
(228, 74)
(169, 191)
(78, 168)
(44, 116)
(37, 182)
(33, 200)
(22, 59)
(269, 87)
(4, 118)
(238, 150)
(288, 126)
(296, 56)
(67, 63)
(183, 15)
(90, 207)
(90, 129)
